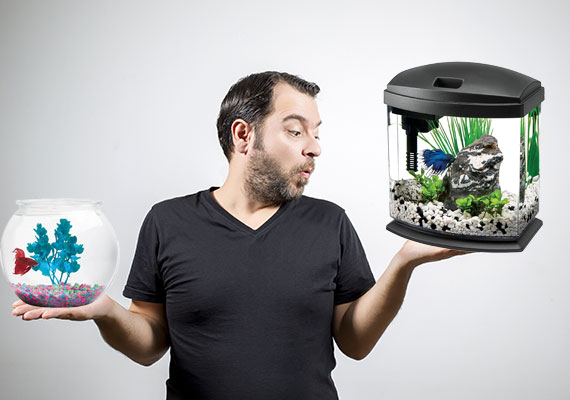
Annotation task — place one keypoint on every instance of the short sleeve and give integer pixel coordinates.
(354, 276)
(144, 282)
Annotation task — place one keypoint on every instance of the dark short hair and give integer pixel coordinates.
(250, 99)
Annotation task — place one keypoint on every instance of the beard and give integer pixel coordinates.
(268, 183)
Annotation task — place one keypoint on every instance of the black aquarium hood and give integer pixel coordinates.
(463, 89)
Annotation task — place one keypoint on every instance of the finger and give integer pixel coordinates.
(59, 313)
(36, 313)
(45, 313)
(71, 313)
(22, 309)
(448, 253)
(458, 252)
(18, 303)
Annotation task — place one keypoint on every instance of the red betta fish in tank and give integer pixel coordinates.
(23, 263)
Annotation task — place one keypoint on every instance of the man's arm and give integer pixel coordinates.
(358, 325)
(140, 333)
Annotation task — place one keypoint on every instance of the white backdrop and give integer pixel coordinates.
(117, 101)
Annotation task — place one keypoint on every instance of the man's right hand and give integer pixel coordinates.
(96, 310)
(140, 333)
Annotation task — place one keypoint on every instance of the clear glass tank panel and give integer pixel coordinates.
(486, 187)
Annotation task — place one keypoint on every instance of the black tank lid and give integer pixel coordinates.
(464, 89)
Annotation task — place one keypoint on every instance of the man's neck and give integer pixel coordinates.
(235, 200)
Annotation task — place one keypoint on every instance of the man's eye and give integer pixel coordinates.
(295, 133)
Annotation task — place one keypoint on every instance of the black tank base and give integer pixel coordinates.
(462, 242)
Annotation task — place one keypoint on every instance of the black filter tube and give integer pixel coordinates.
(412, 149)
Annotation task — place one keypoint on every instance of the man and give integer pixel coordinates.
(249, 283)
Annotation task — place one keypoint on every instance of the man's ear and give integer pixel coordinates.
(242, 135)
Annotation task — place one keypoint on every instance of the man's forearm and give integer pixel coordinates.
(369, 316)
(133, 334)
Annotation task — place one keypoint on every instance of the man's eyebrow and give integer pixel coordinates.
(298, 117)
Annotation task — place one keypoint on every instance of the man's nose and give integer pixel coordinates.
(313, 148)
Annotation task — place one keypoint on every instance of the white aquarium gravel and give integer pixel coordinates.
(435, 216)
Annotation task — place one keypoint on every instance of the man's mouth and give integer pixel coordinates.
(306, 173)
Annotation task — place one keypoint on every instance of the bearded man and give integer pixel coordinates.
(248, 284)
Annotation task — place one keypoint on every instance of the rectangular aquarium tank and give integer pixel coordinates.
(463, 148)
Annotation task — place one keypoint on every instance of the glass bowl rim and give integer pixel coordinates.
(58, 203)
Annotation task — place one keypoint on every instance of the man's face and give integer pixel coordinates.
(282, 157)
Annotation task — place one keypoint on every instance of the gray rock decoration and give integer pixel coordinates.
(475, 171)
(408, 190)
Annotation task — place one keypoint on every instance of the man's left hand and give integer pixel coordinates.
(416, 253)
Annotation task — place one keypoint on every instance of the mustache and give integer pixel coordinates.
(310, 165)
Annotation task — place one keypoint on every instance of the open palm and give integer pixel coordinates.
(98, 308)
(419, 253)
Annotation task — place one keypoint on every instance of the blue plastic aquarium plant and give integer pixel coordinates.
(56, 257)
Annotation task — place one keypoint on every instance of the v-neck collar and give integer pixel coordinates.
(207, 194)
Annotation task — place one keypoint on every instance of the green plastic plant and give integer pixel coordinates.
(432, 187)
(461, 132)
(530, 131)
(491, 204)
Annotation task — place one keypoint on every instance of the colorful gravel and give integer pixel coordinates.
(58, 295)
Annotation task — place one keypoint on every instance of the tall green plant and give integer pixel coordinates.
(530, 127)
(461, 132)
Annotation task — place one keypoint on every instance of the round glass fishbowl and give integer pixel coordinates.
(59, 252)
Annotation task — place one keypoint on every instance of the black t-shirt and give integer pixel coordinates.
(249, 311)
